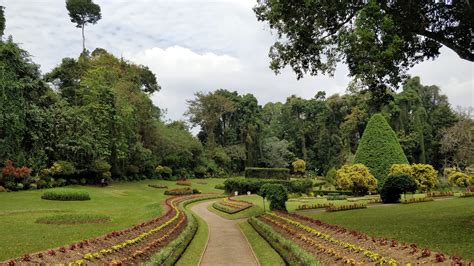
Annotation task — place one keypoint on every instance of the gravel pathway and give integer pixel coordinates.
(227, 244)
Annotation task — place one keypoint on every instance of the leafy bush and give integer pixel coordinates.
(63, 168)
(357, 178)
(299, 166)
(267, 173)
(242, 185)
(100, 166)
(182, 191)
(426, 177)
(327, 192)
(459, 179)
(379, 148)
(276, 194)
(66, 195)
(402, 168)
(200, 172)
(220, 186)
(345, 207)
(395, 185)
(164, 171)
(331, 176)
(2, 189)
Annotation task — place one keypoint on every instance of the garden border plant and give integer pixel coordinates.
(66, 194)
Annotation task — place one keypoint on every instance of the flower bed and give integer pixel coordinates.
(467, 194)
(183, 182)
(415, 200)
(331, 244)
(312, 206)
(439, 194)
(181, 191)
(157, 186)
(231, 206)
(353, 206)
(130, 246)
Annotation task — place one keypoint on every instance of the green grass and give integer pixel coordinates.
(266, 255)
(193, 253)
(443, 225)
(125, 203)
(73, 218)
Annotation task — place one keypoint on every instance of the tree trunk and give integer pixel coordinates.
(83, 40)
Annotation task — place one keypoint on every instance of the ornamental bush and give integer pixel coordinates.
(357, 178)
(299, 166)
(401, 168)
(164, 171)
(267, 173)
(395, 185)
(459, 179)
(426, 177)
(379, 148)
(276, 194)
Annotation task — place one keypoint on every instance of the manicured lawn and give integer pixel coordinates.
(125, 203)
(266, 255)
(443, 225)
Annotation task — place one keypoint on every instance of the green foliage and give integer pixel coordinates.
(379, 42)
(459, 179)
(164, 171)
(299, 166)
(357, 178)
(2, 21)
(276, 152)
(66, 195)
(331, 176)
(276, 194)
(379, 148)
(268, 173)
(83, 12)
(396, 184)
(243, 185)
(426, 177)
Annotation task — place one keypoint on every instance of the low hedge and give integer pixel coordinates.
(242, 185)
(181, 191)
(327, 192)
(268, 173)
(66, 195)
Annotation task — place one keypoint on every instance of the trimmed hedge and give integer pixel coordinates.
(66, 195)
(379, 148)
(268, 173)
(327, 192)
(242, 185)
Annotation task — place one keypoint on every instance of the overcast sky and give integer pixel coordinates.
(197, 46)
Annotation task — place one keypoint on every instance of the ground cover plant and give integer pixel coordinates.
(73, 218)
(450, 224)
(231, 206)
(66, 194)
(125, 203)
(330, 244)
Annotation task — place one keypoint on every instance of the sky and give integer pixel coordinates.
(198, 45)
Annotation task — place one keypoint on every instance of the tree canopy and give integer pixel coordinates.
(378, 40)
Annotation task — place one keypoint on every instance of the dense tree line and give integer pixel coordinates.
(325, 131)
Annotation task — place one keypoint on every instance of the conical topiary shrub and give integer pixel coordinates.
(379, 148)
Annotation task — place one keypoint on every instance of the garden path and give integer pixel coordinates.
(227, 244)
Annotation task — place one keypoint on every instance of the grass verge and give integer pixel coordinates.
(266, 255)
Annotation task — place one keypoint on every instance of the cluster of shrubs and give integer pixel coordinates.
(181, 191)
(243, 185)
(66, 195)
(267, 173)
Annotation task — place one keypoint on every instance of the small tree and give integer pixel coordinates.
(459, 179)
(299, 166)
(2, 21)
(83, 12)
(276, 194)
(396, 184)
(379, 148)
(426, 177)
(357, 178)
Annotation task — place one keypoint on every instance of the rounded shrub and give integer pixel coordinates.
(357, 178)
(276, 194)
(66, 195)
(379, 148)
(396, 184)
(459, 179)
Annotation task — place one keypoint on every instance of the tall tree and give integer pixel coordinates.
(379, 40)
(2, 21)
(83, 12)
